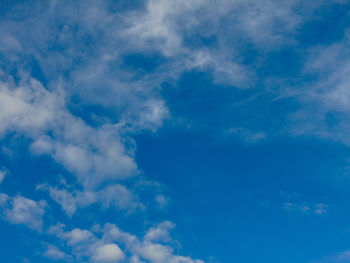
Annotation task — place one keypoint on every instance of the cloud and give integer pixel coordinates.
(160, 232)
(2, 175)
(247, 135)
(115, 196)
(149, 249)
(83, 105)
(108, 253)
(84, 150)
(320, 209)
(293, 207)
(21, 210)
(342, 257)
(317, 209)
(324, 110)
(52, 252)
(162, 201)
(110, 244)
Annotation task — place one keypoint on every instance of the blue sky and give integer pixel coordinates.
(179, 131)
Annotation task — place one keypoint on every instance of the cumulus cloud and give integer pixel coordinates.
(160, 232)
(21, 210)
(52, 252)
(108, 253)
(82, 66)
(110, 244)
(154, 247)
(93, 154)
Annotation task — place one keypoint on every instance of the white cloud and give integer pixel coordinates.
(2, 175)
(115, 196)
(80, 148)
(55, 253)
(162, 201)
(342, 257)
(317, 209)
(153, 248)
(320, 209)
(119, 196)
(3, 199)
(74, 237)
(103, 152)
(21, 210)
(247, 135)
(294, 207)
(149, 249)
(108, 253)
(135, 259)
(325, 110)
(159, 233)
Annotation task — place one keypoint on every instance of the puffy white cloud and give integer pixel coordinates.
(28, 108)
(108, 253)
(114, 245)
(21, 210)
(160, 232)
(55, 253)
(74, 237)
(102, 152)
(154, 247)
(93, 154)
(119, 196)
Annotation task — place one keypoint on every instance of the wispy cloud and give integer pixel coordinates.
(317, 209)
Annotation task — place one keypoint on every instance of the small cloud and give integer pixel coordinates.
(247, 135)
(55, 253)
(108, 253)
(342, 257)
(116, 196)
(160, 232)
(2, 175)
(161, 201)
(294, 207)
(318, 209)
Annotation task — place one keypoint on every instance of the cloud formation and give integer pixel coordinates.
(70, 86)
(21, 210)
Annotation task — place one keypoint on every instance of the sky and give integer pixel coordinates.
(175, 131)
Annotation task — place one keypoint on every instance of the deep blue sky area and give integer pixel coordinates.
(178, 131)
(235, 192)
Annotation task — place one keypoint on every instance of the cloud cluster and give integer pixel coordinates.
(115, 196)
(110, 244)
(93, 154)
(317, 209)
(69, 85)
